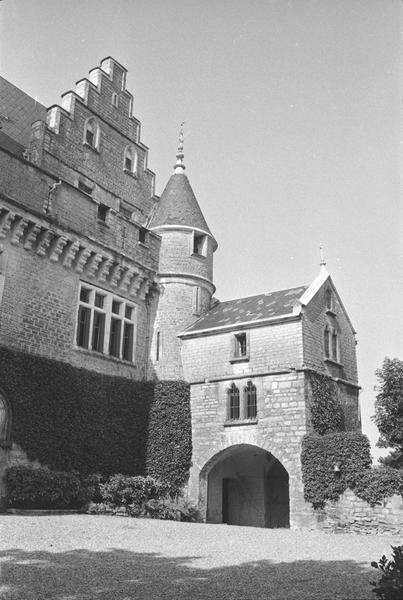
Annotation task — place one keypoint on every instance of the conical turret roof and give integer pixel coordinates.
(178, 206)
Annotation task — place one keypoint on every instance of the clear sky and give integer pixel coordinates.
(293, 132)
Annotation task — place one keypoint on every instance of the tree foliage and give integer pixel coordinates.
(389, 410)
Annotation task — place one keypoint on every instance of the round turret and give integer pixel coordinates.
(185, 271)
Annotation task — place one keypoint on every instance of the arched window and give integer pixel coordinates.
(326, 341)
(335, 353)
(233, 403)
(5, 422)
(329, 299)
(92, 134)
(250, 400)
(130, 160)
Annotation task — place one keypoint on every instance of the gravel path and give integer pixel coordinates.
(82, 557)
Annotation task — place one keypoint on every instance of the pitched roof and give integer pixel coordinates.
(251, 309)
(18, 111)
(178, 205)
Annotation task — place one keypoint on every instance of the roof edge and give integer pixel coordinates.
(293, 316)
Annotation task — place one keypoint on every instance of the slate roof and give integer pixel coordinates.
(178, 205)
(253, 308)
(17, 112)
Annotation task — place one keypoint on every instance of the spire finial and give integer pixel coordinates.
(179, 165)
(322, 256)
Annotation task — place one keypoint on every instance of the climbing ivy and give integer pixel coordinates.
(327, 415)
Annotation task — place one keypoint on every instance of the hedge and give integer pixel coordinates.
(35, 487)
(69, 418)
(320, 454)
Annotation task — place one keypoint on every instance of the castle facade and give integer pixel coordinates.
(99, 272)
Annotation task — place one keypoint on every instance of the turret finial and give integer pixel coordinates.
(179, 165)
(322, 256)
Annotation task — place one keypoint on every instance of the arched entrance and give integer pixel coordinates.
(246, 485)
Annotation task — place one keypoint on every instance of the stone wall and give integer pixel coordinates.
(278, 429)
(353, 515)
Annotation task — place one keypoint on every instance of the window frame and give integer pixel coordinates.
(98, 338)
(233, 403)
(237, 355)
(130, 153)
(5, 425)
(92, 125)
(199, 244)
(250, 400)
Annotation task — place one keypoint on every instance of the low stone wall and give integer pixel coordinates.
(353, 515)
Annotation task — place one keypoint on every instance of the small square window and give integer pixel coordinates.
(143, 235)
(199, 244)
(102, 212)
(115, 99)
(116, 307)
(83, 187)
(240, 345)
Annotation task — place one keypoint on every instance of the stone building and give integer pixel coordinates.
(97, 271)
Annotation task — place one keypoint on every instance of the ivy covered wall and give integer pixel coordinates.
(70, 418)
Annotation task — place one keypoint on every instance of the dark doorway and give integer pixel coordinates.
(248, 486)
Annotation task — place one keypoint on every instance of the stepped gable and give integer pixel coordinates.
(178, 206)
(17, 112)
(253, 308)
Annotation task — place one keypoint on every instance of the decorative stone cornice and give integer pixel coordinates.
(106, 266)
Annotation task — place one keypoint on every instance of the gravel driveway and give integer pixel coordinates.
(83, 557)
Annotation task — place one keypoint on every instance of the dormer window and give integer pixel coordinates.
(92, 134)
(130, 161)
(199, 244)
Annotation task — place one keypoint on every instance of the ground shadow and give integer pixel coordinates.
(123, 575)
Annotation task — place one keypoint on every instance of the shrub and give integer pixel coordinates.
(373, 485)
(349, 451)
(173, 510)
(390, 585)
(327, 415)
(120, 490)
(41, 488)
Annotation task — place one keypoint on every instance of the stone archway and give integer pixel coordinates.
(246, 485)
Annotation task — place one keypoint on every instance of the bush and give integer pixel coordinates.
(172, 510)
(374, 485)
(32, 487)
(320, 454)
(390, 585)
(120, 490)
